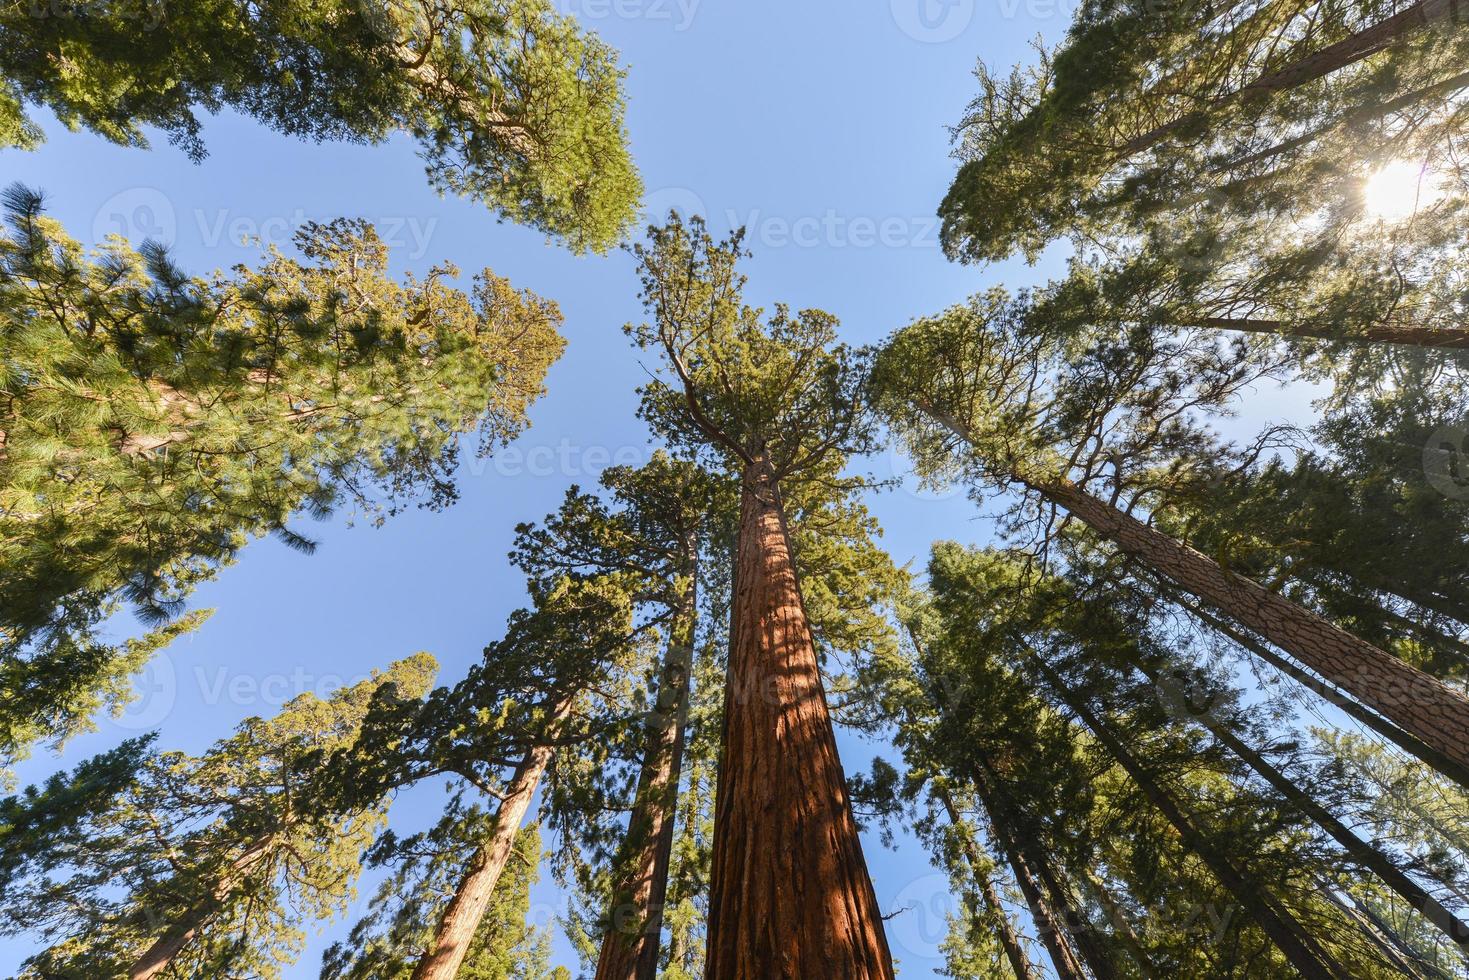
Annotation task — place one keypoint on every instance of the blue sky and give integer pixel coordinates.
(821, 126)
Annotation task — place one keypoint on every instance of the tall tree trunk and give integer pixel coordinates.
(1359, 851)
(461, 918)
(1058, 945)
(1410, 744)
(1319, 64)
(1304, 953)
(177, 937)
(1419, 703)
(1444, 87)
(1059, 899)
(1009, 939)
(790, 897)
(1446, 337)
(635, 922)
(1117, 915)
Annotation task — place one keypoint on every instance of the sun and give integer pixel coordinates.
(1399, 190)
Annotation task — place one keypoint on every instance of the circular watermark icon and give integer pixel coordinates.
(155, 689)
(920, 915)
(136, 214)
(933, 21)
(657, 204)
(1446, 461)
(1190, 696)
(900, 467)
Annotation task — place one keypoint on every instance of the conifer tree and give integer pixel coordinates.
(148, 864)
(1268, 114)
(659, 527)
(777, 402)
(1105, 434)
(386, 944)
(1071, 649)
(153, 422)
(509, 101)
(558, 664)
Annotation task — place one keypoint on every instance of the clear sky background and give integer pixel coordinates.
(822, 126)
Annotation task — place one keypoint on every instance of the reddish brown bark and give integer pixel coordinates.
(1420, 704)
(178, 936)
(635, 921)
(461, 918)
(1410, 744)
(790, 896)
(1009, 939)
(1289, 936)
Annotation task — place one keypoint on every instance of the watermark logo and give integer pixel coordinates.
(933, 21)
(1446, 461)
(137, 214)
(155, 690)
(921, 912)
(657, 205)
(679, 14)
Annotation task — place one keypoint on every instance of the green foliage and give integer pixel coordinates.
(153, 422)
(1197, 110)
(509, 102)
(232, 850)
(742, 385)
(387, 943)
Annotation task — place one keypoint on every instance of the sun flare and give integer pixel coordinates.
(1399, 190)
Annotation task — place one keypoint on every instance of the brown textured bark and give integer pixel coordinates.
(1292, 939)
(461, 918)
(1359, 851)
(1410, 744)
(1009, 939)
(1333, 57)
(1420, 704)
(176, 939)
(1117, 915)
(1407, 336)
(635, 920)
(1083, 946)
(790, 897)
(1058, 945)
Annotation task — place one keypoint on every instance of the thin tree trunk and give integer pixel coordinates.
(1370, 931)
(1319, 64)
(1304, 953)
(1451, 338)
(630, 945)
(1067, 964)
(1060, 902)
(1410, 744)
(1118, 917)
(178, 936)
(1359, 851)
(1419, 703)
(1447, 86)
(461, 918)
(1009, 940)
(790, 896)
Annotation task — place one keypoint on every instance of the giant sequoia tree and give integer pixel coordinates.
(508, 100)
(776, 401)
(152, 422)
(1104, 435)
(145, 864)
